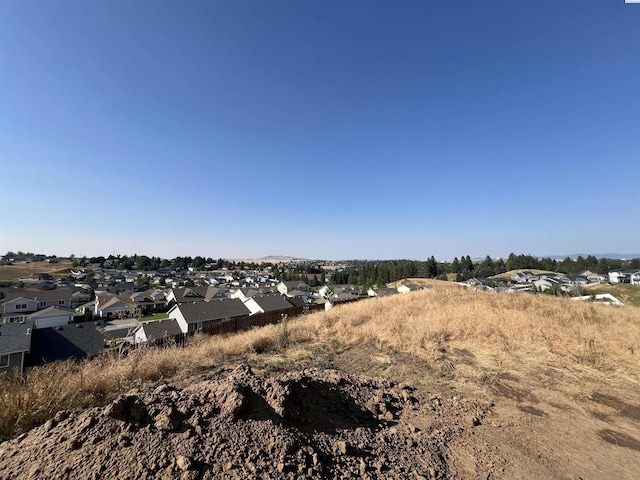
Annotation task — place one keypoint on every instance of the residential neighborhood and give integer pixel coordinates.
(98, 307)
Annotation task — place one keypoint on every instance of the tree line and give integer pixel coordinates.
(367, 273)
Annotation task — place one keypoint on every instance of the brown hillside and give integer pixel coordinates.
(443, 383)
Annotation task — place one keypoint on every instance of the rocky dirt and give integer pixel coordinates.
(238, 424)
(367, 413)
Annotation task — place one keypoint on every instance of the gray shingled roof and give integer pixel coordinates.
(41, 295)
(158, 329)
(14, 338)
(272, 303)
(213, 310)
(48, 310)
(81, 340)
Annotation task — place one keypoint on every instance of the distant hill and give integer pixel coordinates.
(279, 258)
(613, 256)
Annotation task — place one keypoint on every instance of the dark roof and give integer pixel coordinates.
(81, 340)
(272, 303)
(117, 333)
(296, 301)
(213, 310)
(158, 329)
(41, 295)
(14, 338)
(381, 292)
(346, 287)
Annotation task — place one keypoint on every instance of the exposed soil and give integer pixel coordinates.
(370, 413)
(237, 424)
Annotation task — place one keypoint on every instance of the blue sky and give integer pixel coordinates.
(319, 129)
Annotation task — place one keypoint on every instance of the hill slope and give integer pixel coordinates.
(443, 383)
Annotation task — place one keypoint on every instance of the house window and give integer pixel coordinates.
(41, 304)
(21, 306)
(4, 361)
(60, 302)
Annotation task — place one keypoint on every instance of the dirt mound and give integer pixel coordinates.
(239, 424)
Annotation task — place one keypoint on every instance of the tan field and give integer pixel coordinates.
(562, 377)
(22, 270)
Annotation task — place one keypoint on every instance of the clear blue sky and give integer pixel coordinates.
(319, 129)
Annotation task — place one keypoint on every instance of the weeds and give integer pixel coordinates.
(423, 324)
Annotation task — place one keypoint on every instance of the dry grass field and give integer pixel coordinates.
(21, 270)
(563, 376)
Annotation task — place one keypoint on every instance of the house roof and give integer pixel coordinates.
(54, 309)
(213, 310)
(41, 295)
(296, 301)
(194, 294)
(297, 293)
(112, 300)
(381, 292)
(158, 329)
(117, 333)
(81, 340)
(272, 303)
(14, 338)
(294, 284)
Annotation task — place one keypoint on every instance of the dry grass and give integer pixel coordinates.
(22, 270)
(628, 294)
(423, 325)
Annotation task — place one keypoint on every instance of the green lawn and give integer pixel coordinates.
(157, 316)
(627, 294)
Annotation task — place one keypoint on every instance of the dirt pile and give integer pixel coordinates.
(240, 424)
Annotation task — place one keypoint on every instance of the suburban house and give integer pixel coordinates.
(293, 288)
(195, 294)
(410, 287)
(193, 317)
(381, 292)
(53, 316)
(246, 293)
(80, 297)
(15, 344)
(82, 340)
(267, 303)
(157, 331)
(620, 275)
(129, 305)
(522, 277)
(20, 302)
(592, 277)
(635, 278)
(109, 306)
(340, 292)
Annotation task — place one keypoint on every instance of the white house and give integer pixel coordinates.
(21, 302)
(52, 317)
(620, 275)
(411, 287)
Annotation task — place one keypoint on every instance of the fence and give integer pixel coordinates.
(259, 320)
